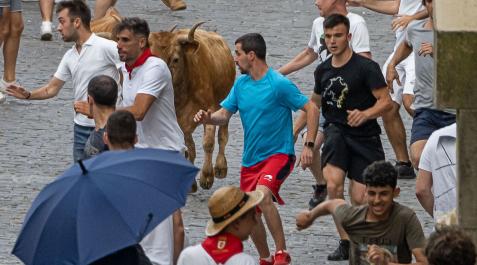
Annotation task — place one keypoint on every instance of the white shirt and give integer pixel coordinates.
(98, 56)
(159, 243)
(359, 35)
(196, 255)
(159, 128)
(409, 8)
(439, 158)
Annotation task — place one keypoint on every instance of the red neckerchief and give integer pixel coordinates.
(222, 247)
(139, 61)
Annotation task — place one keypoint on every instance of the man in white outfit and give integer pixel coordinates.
(148, 94)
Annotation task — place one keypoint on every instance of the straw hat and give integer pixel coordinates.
(227, 204)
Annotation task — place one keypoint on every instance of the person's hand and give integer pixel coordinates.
(426, 49)
(83, 108)
(355, 3)
(306, 157)
(401, 22)
(356, 118)
(378, 256)
(391, 75)
(18, 92)
(203, 116)
(303, 220)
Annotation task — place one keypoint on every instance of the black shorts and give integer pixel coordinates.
(350, 153)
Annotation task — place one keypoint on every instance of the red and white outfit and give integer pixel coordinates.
(159, 129)
(221, 249)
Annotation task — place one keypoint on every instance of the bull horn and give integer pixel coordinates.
(173, 28)
(190, 38)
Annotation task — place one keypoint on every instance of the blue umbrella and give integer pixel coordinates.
(102, 205)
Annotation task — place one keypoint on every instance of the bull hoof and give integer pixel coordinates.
(206, 182)
(193, 189)
(220, 168)
(220, 172)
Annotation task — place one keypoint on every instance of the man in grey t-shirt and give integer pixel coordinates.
(427, 117)
(380, 232)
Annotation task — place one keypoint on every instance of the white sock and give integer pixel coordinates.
(46, 24)
(269, 259)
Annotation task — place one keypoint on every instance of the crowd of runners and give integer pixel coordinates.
(124, 98)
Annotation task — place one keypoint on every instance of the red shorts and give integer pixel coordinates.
(271, 173)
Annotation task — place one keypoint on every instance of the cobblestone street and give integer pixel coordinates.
(36, 136)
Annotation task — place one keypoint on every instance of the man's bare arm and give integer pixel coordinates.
(306, 218)
(49, 90)
(220, 117)
(142, 103)
(300, 121)
(304, 58)
(424, 191)
(383, 103)
(383, 7)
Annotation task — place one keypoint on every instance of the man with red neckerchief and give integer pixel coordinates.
(233, 217)
(148, 94)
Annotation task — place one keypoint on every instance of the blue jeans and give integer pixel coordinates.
(80, 136)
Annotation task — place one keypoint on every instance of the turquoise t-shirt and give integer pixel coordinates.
(265, 107)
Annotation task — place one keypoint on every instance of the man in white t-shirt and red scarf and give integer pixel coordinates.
(148, 94)
(234, 217)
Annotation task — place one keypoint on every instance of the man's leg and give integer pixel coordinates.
(259, 238)
(319, 190)
(335, 177)
(394, 126)
(46, 10)
(80, 136)
(416, 151)
(11, 46)
(357, 192)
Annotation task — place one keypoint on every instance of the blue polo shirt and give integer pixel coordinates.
(265, 107)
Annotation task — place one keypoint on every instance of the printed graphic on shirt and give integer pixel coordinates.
(390, 250)
(335, 93)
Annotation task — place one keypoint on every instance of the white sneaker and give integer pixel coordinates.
(45, 31)
(3, 86)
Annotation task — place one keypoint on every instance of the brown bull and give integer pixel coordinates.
(203, 73)
(104, 26)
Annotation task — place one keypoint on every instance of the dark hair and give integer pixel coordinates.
(76, 8)
(137, 26)
(450, 245)
(425, 1)
(121, 128)
(380, 174)
(334, 20)
(104, 90)
(253, 42)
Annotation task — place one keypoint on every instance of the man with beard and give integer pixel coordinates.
(148, 94)
(381, 232)
(89, 57)
(265, 99)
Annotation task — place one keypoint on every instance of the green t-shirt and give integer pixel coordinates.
(399, 234)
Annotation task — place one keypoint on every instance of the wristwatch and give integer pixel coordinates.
(309, 144)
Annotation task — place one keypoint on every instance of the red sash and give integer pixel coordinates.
(222, 246)
(139, 61)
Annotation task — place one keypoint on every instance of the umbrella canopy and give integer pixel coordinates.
(103, 204)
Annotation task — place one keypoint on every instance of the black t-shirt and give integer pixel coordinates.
(347, 88)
